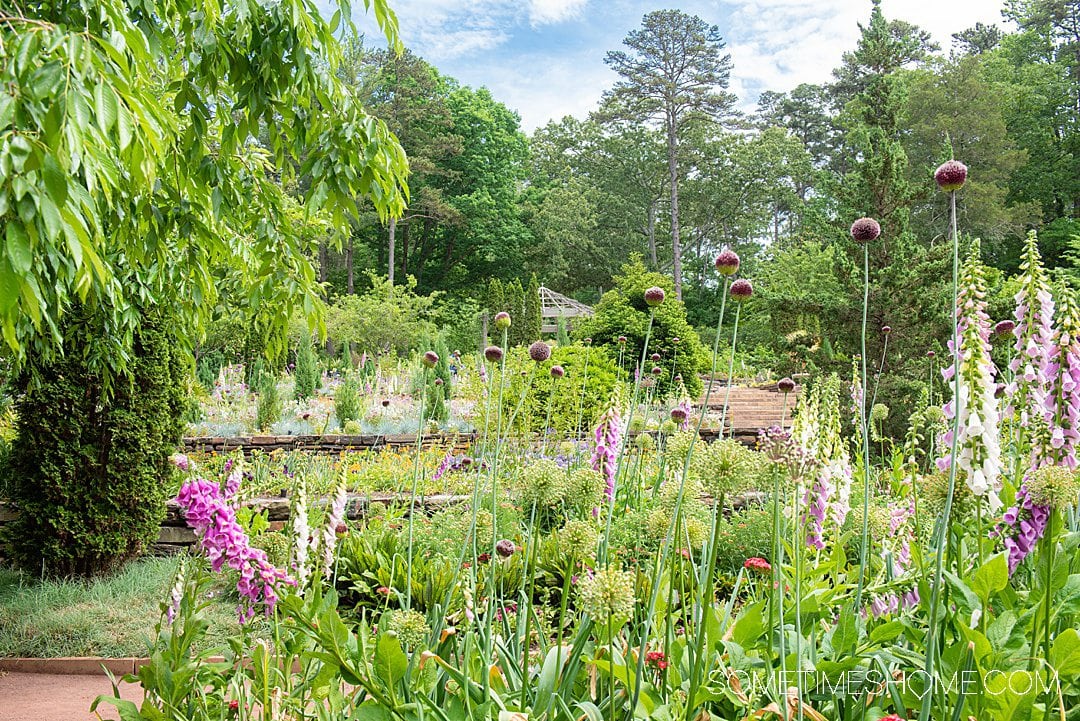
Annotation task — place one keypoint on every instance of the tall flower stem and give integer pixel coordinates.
(584, 385)
(666, 546)
(776, 610)
(864, 548)
(412, 493)
(490, 640)
(731, 371)
(1049, 543)
(881, 369)
(942, 534)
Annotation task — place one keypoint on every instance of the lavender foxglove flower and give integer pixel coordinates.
(1022, 526)
(1034, 336)
(1062, 405)
(334, 519)
(608, 438)
(978, 443)
(223, 540)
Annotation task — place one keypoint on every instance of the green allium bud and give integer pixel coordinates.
(608, 593)
(578, 539)
(1053, 486)
(410, 627)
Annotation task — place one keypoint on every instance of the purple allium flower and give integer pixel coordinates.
(930, 354)
(951, 175)
(493, 353)
(223, 540)
(657, 370)
(1004, 328)
(438, 382)
(654, 296)
(385, 402)
(655, 357)
(741, 290)
(675, 340)
(885, 330)
(557, 371)
(679, 415)
(502, 320)
(785, 385)
(678, 378)
(727, 263)
(430, 359)
(864, 230)
(505, 548)
(622, 340)
(539, 351)
(588, 341)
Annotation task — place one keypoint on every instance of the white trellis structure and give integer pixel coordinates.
(554, 306)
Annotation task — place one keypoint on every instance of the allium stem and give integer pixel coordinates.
(864, 421)
(942, 534)
(412, 493)
(731, 372)
(584, 385)
(665, 548)
(1049, 543)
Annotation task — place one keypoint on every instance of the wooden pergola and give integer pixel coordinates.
(554, 306)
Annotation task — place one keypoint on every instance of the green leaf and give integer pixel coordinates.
(1065, 654)
(7, 110)
(105, 106)
(9, 287)
(749, 626)
(19, 250)
(990, 577)
(390, 661)
(55, 180)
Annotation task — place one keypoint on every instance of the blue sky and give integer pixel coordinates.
(545, 58)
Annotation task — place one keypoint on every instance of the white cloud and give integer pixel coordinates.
(554, 11)
(778, 44)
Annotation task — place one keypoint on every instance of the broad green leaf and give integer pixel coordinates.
(1065, 654)
(390, 661)
(19, 250)
(55, 180)
(105, 106)
(990, 577)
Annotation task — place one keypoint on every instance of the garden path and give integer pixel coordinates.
(54, 697)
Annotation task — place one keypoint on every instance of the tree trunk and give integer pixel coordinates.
(405, 250)
(673, 179)
(323, 260)
(349, 266)
(651, 234)
(391, 231)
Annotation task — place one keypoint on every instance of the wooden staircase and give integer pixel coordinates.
(750, 408)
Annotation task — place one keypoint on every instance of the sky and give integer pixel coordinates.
(545, 58)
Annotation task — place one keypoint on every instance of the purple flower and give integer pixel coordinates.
(785, 385)
(657, 370)
(539, 351)
(505, 548)
(727, 263)
(608, 437)
(622, 340)
(885, 330)
(817, 503)
(654, 296)
(679, 415)
(430, 359)
(223, 540)
(1022, 526)
(493, 353)
(655, 357)
(181, 461)
(951, 175)
(557, 371)
(741, 290)
(1004, 328)
(864, 230)
(502, 320)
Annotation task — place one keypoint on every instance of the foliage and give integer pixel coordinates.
(622, 312)
(268, 408)
(307, 374)
(89, 478)
(146, 155)
(386, 319)
(347, 400)
(575, 401)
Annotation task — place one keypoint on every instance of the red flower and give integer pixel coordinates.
(892, 717)
(234, 705)
(656, 659)
(383, 590)
(757, 564)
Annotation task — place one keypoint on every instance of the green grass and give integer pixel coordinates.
(112, 616)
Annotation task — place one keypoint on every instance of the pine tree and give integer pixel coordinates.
(532, 317)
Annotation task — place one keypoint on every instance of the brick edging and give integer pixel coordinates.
(77, 665)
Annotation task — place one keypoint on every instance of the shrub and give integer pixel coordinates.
(89, 468)
(307, 376)
(268, 407)
(386, 319)
(622, 312)
(745, 534)
(574, 395)
(347, 400)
